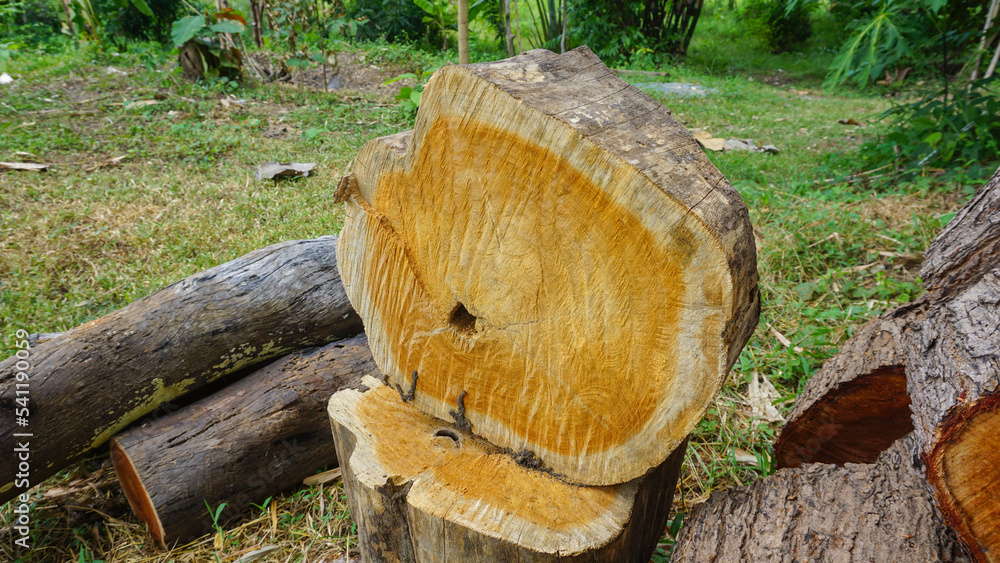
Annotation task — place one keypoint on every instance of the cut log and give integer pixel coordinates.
(249, 441)
(883, 512)
(424, 490)
(577, 271)
(953, 367)
(856, 406)
(89, 383)
(948, 346)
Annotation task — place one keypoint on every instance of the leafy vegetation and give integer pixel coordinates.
(839, 231)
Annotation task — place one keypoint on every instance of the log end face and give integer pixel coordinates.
(577, 272)
(853, 424)
(963, 469)
(448, 477)
(142, 505)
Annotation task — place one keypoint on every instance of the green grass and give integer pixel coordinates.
(88, 237)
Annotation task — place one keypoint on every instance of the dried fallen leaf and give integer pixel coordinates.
(257, 554)
(760, 394)
(277, 170)
(742, 456)
(107, 163)
(712, 144)
(740, 145)
(29, 166)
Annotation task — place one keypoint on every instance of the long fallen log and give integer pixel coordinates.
(423, 490)
(254, 438)
(883, 511)
(85, 385)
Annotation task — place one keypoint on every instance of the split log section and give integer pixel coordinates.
(422, 490)
(89, 383)
(567, 282)
(263, 434)
(579, 273)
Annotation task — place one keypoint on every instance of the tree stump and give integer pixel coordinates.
(251, 440)
(422, 490)
(883, 511)
(89, 383)
(575, 278)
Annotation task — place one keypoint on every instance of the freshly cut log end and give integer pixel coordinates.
(135, 492)
(422, 490)
(254, 438)
(579, 269)
(884, 511)
(964, 471)
(854, 425)
(856, 405)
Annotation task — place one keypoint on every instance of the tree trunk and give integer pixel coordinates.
(249, 441)
(883, 511)
(968, 247)
(87, 384)
(423, 490)
(856, 406)
(509, 37)
(463, 32)
(578, 273)
(257, 21)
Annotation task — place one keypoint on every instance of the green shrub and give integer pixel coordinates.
(129, 23)
(950, 131)
(396, 20)
(779, 28)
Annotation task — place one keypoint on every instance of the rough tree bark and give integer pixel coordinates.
(89, 383)
(953, 365)
(884, 511)
(423, 490)
(577, 272)
(251, 440)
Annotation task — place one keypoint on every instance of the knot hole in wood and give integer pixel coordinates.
(462, 320)
(451, 434)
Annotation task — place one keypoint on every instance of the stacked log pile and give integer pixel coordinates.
(555, 281)
(269, 428)
(902, 421)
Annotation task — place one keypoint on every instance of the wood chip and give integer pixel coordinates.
(781, 338)
(322, 478)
